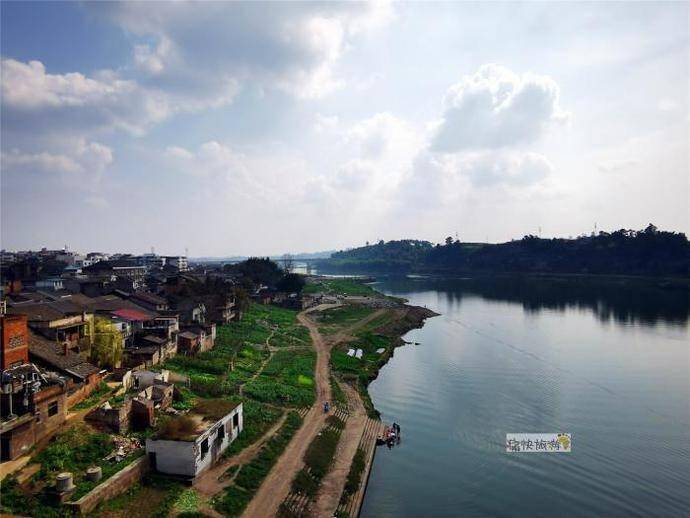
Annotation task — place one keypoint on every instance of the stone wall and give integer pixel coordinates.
(115, 485)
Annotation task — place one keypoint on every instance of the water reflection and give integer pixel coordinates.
(623, 302)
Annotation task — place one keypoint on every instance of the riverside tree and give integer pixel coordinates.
(108, 344)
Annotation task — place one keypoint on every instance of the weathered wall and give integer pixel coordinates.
(115, 485)
(45, 423)
(84, 390)
(173, 457)
(14, 341)
(116, 419)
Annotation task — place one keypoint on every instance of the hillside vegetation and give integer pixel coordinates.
(623, 252)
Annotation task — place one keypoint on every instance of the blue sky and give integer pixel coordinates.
(250, 128)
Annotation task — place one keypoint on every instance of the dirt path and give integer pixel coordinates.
(277, 484)
(346, 334)
(209, 483)
(333, 483)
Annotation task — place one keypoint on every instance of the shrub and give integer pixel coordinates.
(320, 452)
(305, 483)
(354, 477)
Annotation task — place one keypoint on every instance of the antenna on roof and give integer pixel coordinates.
(186, 251)
(153, 251)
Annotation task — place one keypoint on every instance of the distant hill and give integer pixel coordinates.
(623, 252)
(238, 258)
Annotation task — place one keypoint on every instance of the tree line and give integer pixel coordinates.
(623, 252)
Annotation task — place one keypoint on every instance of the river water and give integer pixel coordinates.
(608, 364)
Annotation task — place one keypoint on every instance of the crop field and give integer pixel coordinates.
(287, 379)
(240, 354)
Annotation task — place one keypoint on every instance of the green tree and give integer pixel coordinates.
(291, 283)
(108, 344)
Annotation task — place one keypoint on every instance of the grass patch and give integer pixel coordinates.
(318, 458)
(233, 501)
(236, 497)
(187, 502)
(352, 287)
(320, 452)
(304, 380)
(287, 380)
(339, 397)
(258, 419)
(343, 315)
(253, 473)
(354, 477)
(155, 496)
(304, 483)
(74, 450)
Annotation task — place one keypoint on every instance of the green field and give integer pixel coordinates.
(336, 319)
(340, 287)
(240, 353)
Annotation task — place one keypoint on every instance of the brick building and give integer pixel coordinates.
(33, 405)
(14, 341)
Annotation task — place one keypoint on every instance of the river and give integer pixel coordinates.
(608, 364)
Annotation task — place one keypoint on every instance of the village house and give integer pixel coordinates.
(51, 284)
(188, 444)
(33, 403)
(196, 338)
(224, 312)
(149, 301)
(83, 377)
(14, 341)
(58, 320)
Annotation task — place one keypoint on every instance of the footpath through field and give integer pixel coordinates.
(277, 484)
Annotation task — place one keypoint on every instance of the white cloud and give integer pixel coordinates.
(504, 168)
(201, 50)
(80, 157)
(667, 105)
(612, 166)
(28, 86)
(383, 134)
(73, 103)
(210, 158)
(325, 123)
(495, 108)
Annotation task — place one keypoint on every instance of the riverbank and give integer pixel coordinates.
(365, 323)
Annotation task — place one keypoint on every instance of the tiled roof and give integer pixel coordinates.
(53, 355)
(133, 314)
(150, 298)
(45, 311)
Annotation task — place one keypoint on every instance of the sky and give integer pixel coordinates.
(262, 128)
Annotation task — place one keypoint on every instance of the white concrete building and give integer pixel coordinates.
(193, 442)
